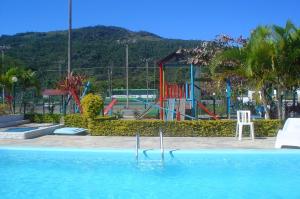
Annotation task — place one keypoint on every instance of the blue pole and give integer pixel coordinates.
(228, 94)
(192, 90)
(187, 90)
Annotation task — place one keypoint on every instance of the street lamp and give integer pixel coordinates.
(3, 48)
(14, 80)
(214, 102)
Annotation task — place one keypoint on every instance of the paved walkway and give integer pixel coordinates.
(145, 142)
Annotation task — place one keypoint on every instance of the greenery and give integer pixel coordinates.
(4, 109)
(110, 126)
(43, 118)
(93, 47)
(75, 120)
(92, 106)
(202, 128)
(269, 59)
(19, 77)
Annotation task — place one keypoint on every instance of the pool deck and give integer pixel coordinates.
(108, 142)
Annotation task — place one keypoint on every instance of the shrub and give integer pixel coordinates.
(43, 118)
(4, 109)
(92, 105)
(109, 126)
(201, 128)
(77, 120)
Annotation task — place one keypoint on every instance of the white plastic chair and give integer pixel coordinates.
(290, 134)
(244, 119)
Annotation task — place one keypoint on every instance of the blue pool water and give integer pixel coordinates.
(49, 173)
(20, 129)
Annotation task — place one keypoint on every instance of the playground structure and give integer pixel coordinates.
(70, 88)
(180, 100)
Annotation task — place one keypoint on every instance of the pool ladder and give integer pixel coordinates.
(137, 145)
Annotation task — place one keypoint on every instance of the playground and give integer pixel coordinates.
(185, 90)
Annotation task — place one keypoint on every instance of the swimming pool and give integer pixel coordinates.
(62, 173)
(20, 129)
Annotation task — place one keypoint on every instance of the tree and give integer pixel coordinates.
(269, 58)
(26, 79)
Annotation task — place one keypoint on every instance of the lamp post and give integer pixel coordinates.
(127, 92)
(294, 97)
(3, 48)
(14, 80)
(214, 102)
(70, 38)
(282, 105)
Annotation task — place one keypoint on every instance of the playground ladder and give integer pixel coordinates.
(137, 145)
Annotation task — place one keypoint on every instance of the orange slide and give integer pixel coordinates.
(215, 117)
(111, 104)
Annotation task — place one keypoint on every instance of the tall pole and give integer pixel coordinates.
(69, 37)
(2, 71)
(127, 93)
(3, 48)
(147, 79)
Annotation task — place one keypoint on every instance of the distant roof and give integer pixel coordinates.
(54, 92)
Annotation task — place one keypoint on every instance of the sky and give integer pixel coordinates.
(180, 19)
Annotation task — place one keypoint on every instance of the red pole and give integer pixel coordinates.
(180, 91)
(161, 91)
(166, 91)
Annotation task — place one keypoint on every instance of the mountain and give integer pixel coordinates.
(94, 49)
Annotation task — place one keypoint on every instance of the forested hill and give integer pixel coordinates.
(94, 49)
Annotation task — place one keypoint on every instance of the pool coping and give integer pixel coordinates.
(155, 151)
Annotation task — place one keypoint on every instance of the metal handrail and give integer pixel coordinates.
(137, 145)
(161, 144)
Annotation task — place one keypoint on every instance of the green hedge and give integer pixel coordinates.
(77, 120)
(201, 128)
(109, 126)
(43, 118)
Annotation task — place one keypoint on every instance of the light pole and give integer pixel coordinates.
(214, 102)
(147, 80)
(126, 42)
(14, 80)
(127, 92)
(3, 48)
(146, 60)
(70, 37)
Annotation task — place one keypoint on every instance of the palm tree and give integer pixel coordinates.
(270, 57)
(250, 61)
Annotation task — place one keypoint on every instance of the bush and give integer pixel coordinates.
(43, 118)
(109, 126)
(201, 128)
(4, 109)
(77, 120)
(92, 106)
